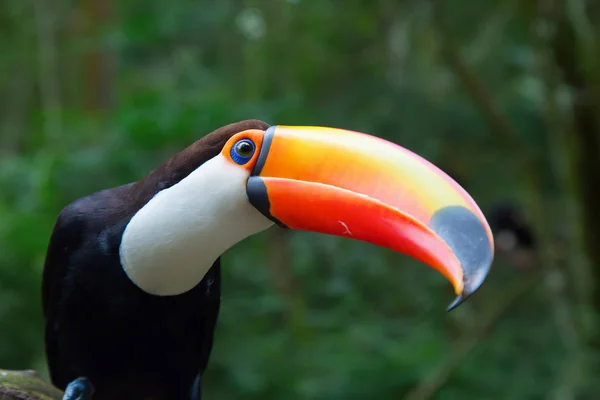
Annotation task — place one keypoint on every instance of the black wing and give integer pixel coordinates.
(76, 223)
(66, 236)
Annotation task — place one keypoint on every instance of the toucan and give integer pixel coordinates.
(131, 282)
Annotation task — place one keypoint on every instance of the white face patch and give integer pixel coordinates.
(171, 243)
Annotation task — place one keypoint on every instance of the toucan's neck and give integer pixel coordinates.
(174, 239)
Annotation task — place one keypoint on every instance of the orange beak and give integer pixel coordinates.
(350, 184)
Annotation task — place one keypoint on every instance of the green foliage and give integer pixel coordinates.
(336, 319)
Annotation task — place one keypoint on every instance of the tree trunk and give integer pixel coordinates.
(26, 385)
(569, 52)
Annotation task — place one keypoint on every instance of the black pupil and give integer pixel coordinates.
(244, 148)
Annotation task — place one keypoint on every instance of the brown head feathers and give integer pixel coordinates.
(183, 163)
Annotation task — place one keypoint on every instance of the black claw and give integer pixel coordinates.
(196, 391)
(79, 389)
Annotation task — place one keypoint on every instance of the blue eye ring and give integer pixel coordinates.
(242, 151)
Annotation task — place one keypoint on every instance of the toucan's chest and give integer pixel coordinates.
(102, 298)
(112, 330)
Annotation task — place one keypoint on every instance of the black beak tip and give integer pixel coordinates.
(457, 302)
(467, 237)
(472, 282)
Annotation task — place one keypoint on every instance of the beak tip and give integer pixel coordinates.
(457, 302)
(466, 235)
(472, 284)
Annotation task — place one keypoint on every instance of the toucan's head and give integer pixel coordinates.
(324, 180)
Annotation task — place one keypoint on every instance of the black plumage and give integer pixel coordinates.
(129, 344)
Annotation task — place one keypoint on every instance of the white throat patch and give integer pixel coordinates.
(171, 243)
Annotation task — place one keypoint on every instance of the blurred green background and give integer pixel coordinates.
(502, 94)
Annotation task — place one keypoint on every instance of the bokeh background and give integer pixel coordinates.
(502, 94)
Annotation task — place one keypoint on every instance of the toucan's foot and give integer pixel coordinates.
(196, 391)
(79, 389)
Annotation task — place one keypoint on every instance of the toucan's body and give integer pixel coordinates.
(131, 344)
(131, 285)
(99, 325)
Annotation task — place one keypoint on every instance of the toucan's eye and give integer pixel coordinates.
(242, 151)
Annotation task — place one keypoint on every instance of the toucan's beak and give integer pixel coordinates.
(359, 186)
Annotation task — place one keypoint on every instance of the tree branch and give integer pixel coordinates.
(26, 385)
